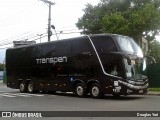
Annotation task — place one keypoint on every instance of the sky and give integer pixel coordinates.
(24, 19)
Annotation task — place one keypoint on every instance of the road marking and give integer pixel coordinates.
(3, 91)
(31, 94)
(17, 94)
(7, 95)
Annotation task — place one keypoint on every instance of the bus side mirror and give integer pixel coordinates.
(149, 59)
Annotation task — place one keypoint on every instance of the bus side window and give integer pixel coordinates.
(81, 46)
(104, 44)
(62, 48)
(83, 57)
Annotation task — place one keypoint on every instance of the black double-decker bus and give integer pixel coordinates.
(96, 64)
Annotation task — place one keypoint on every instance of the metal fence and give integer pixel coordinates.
(153, 73)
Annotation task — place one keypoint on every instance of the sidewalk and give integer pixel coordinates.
(1, 81)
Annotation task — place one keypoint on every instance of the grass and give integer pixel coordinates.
(154, 89)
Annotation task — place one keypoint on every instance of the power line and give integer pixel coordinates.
(49, 18)
(36, 37)
(10, 40)
(11, 19)
(9, 43)
(13, 37)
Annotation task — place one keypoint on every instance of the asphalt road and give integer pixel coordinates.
(13, 100)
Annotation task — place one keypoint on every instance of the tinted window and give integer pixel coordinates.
(81, 45)
(46, 50)
(104, 44)
(62, 48)
(111, 63)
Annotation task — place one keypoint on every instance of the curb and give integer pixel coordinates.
(153, 93)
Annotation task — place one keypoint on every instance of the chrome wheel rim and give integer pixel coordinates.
(30, 87)
(80, 90)
(95, 91)
(21, 87)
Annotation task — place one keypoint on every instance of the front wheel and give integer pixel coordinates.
(80, 90)
(96, 91)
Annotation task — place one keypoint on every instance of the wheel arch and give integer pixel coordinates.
(26, 81)
(75, 82)
(92, 81)
(19, 81)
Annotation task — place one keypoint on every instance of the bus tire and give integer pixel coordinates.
(30, 88)
(96, 91)
(22, 87)
(80, 90)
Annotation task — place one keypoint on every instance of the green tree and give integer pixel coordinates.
(154, 50)
(135, 18)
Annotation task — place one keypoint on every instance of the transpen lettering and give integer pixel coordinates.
(52, 60)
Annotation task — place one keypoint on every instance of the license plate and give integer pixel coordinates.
(141, 91)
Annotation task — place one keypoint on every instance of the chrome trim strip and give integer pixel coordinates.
(132, 86)
(137, 82)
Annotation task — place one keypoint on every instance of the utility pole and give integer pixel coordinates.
(40, 35)
(49, 18)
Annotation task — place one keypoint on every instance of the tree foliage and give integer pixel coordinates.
(154, 50)
(135, 18)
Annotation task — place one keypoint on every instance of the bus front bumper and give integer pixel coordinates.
(134, 89)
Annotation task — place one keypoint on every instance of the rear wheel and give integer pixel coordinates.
(96, 91)
(30, 87)
(22, 87)
(80, 90)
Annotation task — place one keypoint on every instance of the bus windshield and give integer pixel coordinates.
(138, 65)
(135, 69)
(112, 59)
(127, 44)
